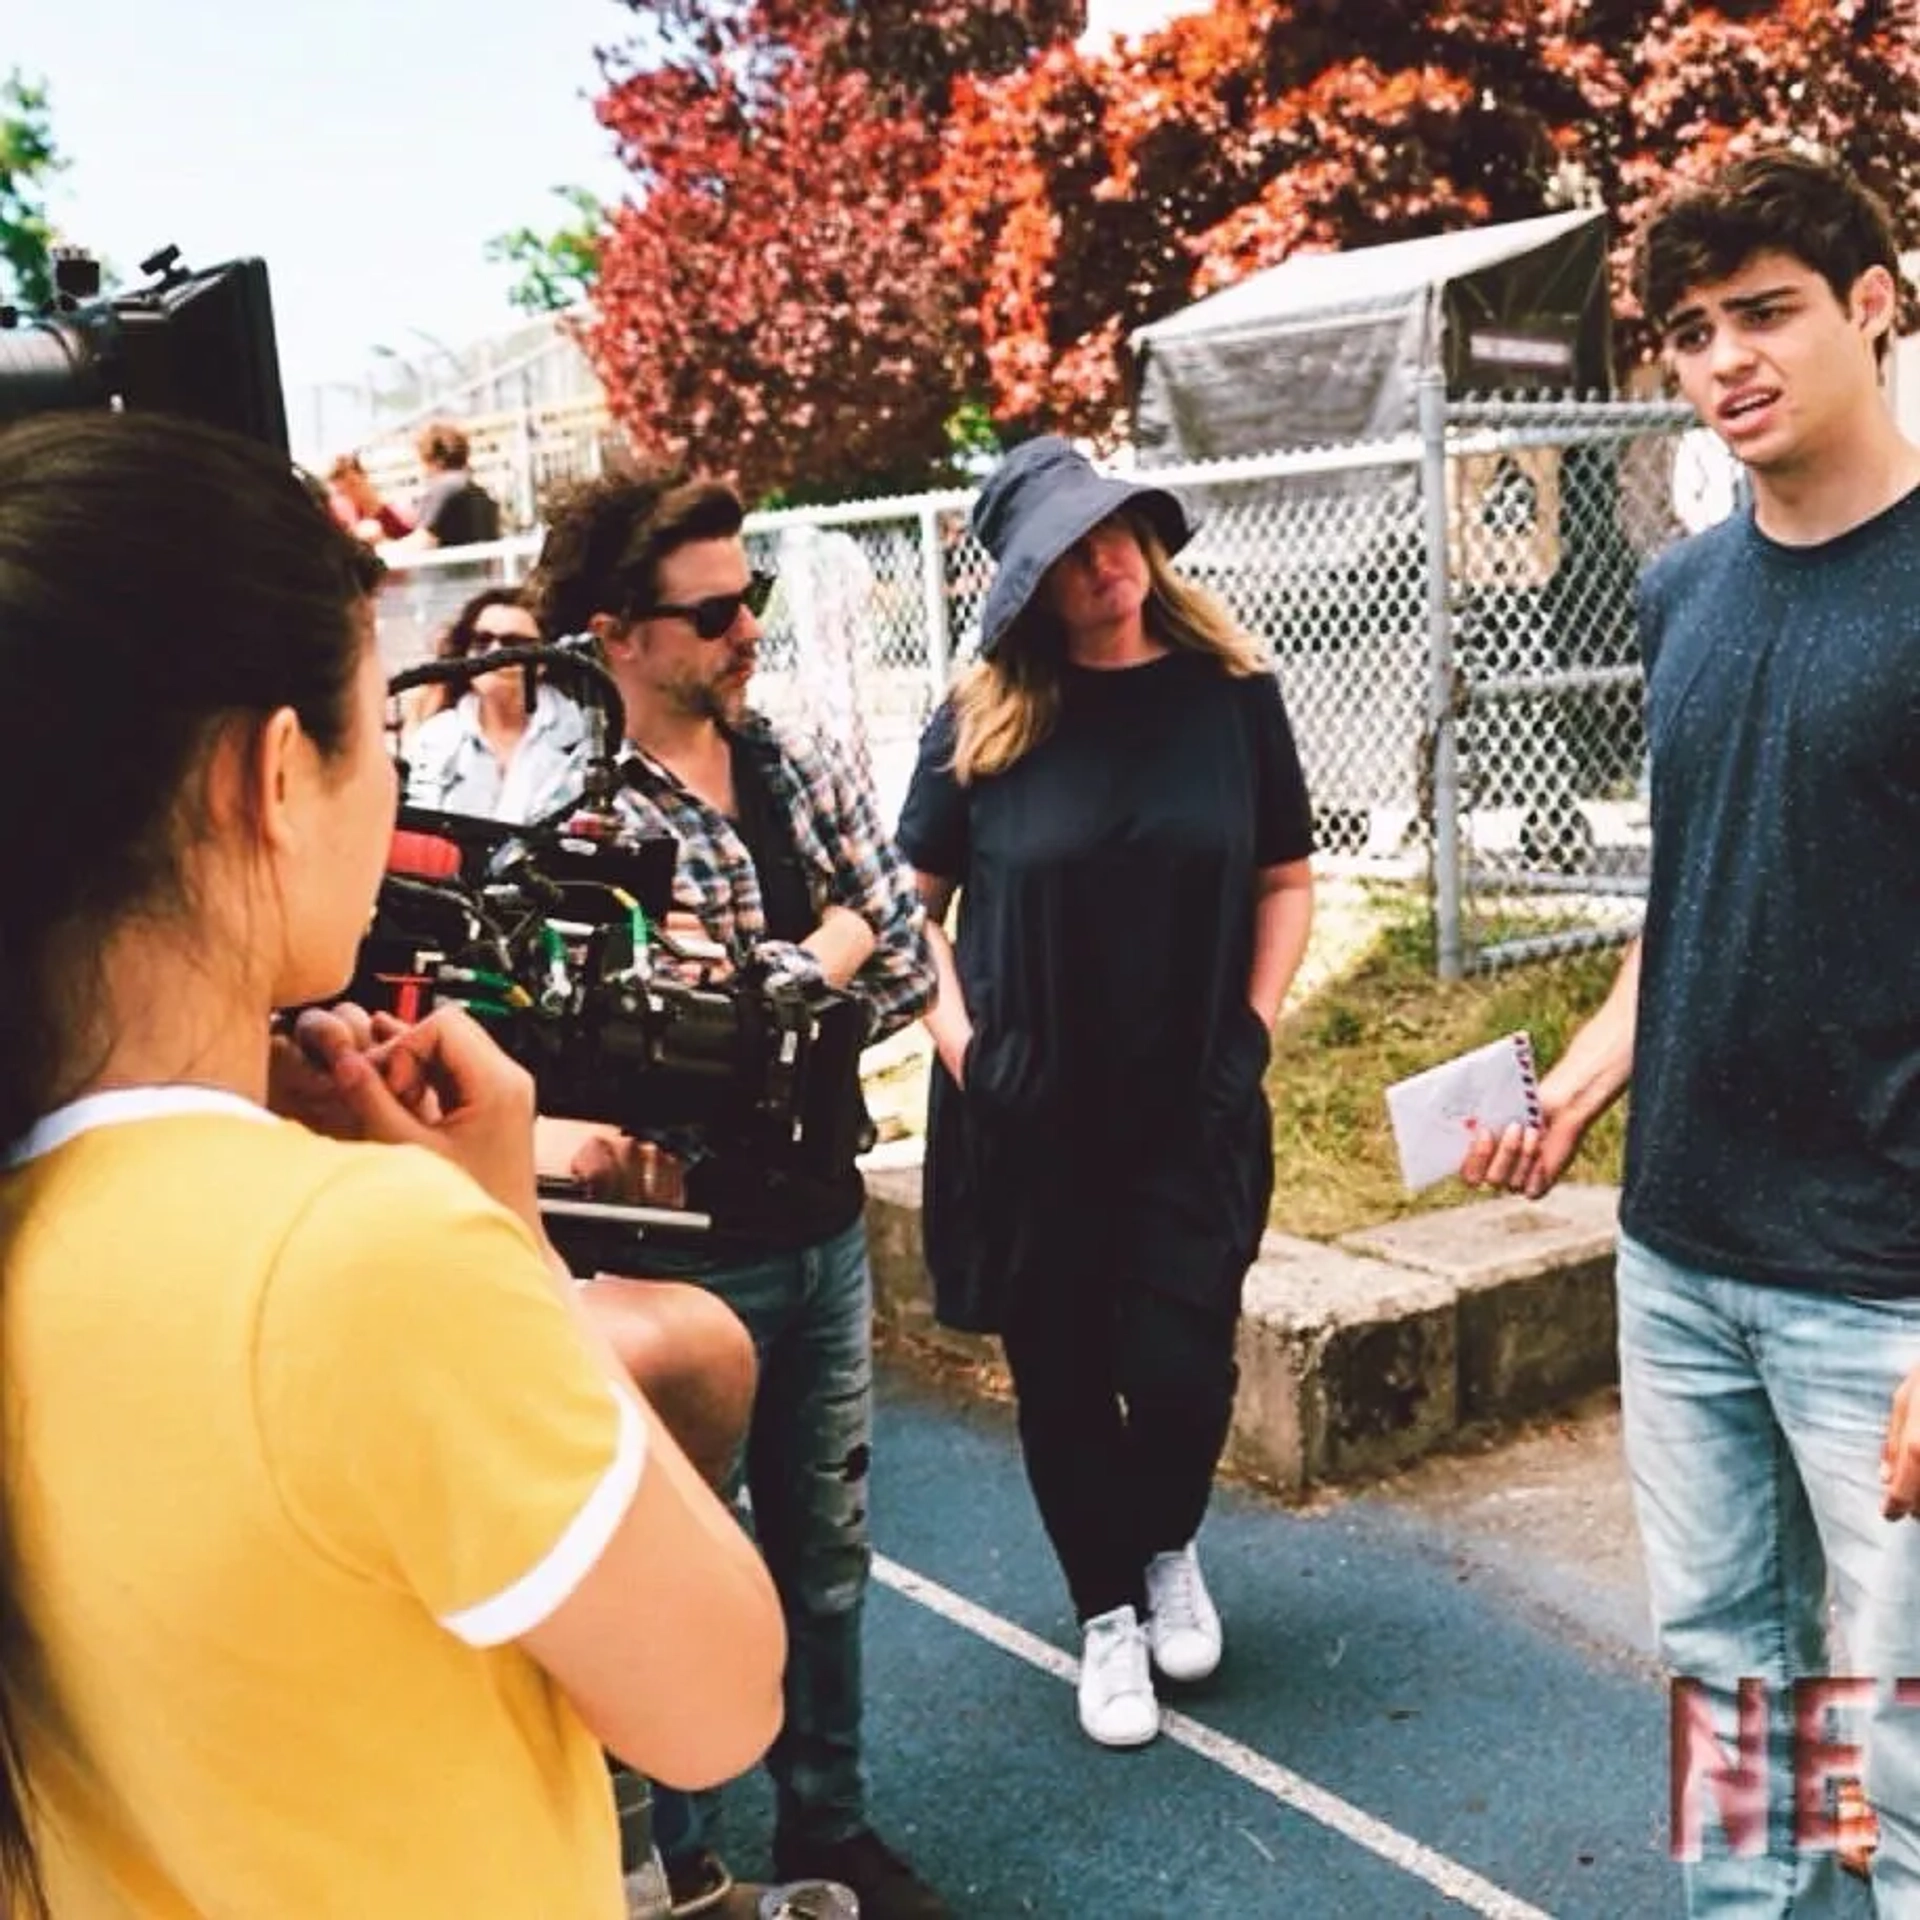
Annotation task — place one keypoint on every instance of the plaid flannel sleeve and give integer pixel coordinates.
(870, 879)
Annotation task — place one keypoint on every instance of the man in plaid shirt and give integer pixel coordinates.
(782, 863)
(847, 855)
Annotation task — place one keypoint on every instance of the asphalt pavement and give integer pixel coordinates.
(1439, 1696)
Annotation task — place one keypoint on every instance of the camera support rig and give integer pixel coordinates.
(553, 936)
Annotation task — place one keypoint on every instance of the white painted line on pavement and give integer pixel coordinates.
(1293, 1790)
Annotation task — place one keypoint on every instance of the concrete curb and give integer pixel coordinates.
(1359, 1356)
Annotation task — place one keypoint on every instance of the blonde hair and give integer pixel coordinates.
(1005, 706)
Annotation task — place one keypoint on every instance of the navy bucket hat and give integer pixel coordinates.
(1036, 505)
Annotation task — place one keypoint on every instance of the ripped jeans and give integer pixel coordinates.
(808, 1453)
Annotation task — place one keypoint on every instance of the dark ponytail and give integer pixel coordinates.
(156, 579)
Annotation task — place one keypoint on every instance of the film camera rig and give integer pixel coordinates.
(194, 343)
(553, 936)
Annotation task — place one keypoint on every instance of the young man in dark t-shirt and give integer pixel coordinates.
(1769, 1016)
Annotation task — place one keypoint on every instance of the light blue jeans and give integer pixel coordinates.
(1754, 1417)
(808, 1476)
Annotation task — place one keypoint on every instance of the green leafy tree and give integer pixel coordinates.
(555, 270)
(28, 161)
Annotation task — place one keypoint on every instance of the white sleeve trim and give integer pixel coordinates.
(539, 1592)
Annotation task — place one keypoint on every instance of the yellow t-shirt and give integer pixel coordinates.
(299, 1439)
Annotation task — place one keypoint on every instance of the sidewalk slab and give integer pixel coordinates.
(1533, 1281)
(1348, 1365)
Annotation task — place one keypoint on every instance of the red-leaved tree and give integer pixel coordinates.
(1091, 192)
(772, 302)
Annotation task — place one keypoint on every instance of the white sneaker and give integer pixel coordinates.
(1117, 1707)
(1183, 1625)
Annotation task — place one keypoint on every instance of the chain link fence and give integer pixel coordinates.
(1552, 512)
(1450, 613)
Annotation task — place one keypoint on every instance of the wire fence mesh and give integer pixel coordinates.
(1553, 510)
(1457, 653)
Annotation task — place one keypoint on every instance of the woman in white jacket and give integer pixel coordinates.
(510, 747)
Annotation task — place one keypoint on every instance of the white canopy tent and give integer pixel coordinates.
(1327, 348)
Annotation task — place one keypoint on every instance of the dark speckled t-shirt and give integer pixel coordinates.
(1775, 1125)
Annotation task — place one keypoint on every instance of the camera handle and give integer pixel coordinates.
(558, 1201)
(607, 1213)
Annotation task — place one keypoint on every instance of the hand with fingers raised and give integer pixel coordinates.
(303, 1061)
(443, 1084)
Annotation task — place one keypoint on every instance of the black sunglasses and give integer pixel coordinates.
(485, 639)
(713, 617)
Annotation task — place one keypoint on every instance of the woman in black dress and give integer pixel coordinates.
(1113, 791)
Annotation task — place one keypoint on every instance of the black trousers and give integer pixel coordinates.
(1125, 1395)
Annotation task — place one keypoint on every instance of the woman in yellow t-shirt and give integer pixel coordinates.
(336, 1544)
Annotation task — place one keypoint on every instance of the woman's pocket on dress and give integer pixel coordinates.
(1237, 1072)
(1002, 1069)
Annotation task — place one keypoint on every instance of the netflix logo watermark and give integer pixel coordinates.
(1830, 1812)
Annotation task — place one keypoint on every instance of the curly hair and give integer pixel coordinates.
(606, 539)
(456, 642)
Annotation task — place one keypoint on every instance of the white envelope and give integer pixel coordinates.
(1432, 1113)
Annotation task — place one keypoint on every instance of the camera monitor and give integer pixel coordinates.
(199, 344)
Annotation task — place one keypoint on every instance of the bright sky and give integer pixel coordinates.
(1105, 17)
(367, 149)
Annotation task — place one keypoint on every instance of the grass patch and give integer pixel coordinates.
(1381, 1018)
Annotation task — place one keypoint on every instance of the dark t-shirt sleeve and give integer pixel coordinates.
(933, 822)
(431, 510)
(1283, 817)
(485, 514)
(457, 511)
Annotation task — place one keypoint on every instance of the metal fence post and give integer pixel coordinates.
(1441, 724)
(525, 486)
(933, 593)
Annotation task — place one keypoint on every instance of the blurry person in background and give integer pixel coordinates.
(359, 505)
(455, 510)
